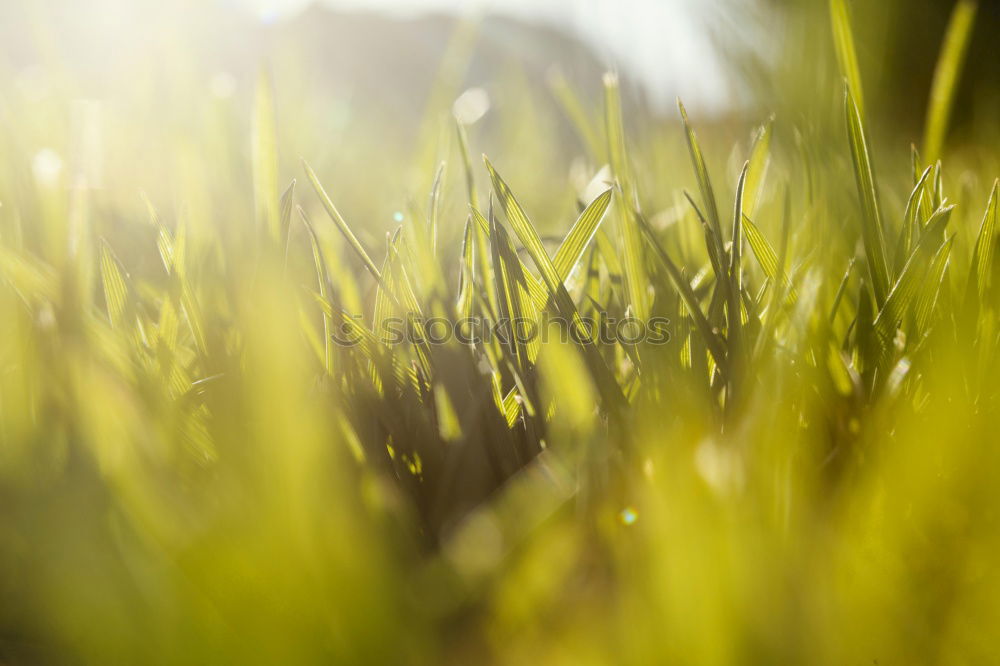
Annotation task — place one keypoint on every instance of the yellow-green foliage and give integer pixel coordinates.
(194, 470)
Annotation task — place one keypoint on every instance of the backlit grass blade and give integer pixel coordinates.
(847, 57)
(946, 77)
(115, 289)
(838, 297)
(983, 254)
(570, 250)
(525, 231)
(683, 288)
(734, 319)
(782, 290)
(384, 310)
(467, 281)
(173, 250)
(30, 277)
(323, 282)
(434, 206)
(764, 252)
(366, 342)
(512, 295)
(539, 294)
(932, 286)
(871, 218)
(285, 207)
(576, 241)
(482, 254)
(759, 160)
(341, 225)
(511, 407)
(384, 301)
(904, 291)
(265, 159)
(636, 279)
(470, 177)
(704, 181)
(711, 242)
(911, 225)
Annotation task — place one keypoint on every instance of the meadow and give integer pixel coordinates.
(211, 453)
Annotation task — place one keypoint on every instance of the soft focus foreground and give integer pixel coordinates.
(194, 470)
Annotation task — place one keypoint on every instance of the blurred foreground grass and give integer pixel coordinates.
(192, 470)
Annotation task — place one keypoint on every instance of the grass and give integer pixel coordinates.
(194, 469)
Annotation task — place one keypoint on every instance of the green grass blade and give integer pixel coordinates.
(603, 378)
(338, 220)
(838, 297)
(470, 177)
(384, 302)
(983, 254)
(932, 286)
(113, 281)
(570, 250)
(734, 319)
(539, 294)
(871, 222)
(636, 279)
(576, 241)
(285, 206)
(905, 289)
(265, 159)
(512, 294)
(911, 225)
(760, 154)
(946, 77)
(704, 181)
(711, 242)
(467, 277)
(764, 252)
(712, 342)
(323, 281)
(434, 207)
(847, 57)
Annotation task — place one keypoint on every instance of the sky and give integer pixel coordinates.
(663, 43)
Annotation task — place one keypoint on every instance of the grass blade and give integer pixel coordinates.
(759, 160)
(871, 222)
(946, 76)
(734, 317)
(704, 181)
(580, 235)
(636, 279)
(338, 220)
(285, 216)
(113, 280)
(983, 254)
(905, 289)
(603, 378)
(715, 346)
(847, 57)
(470, 178)
(467, 279)
(265, 159)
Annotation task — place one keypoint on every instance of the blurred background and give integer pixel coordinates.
(365, 88)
